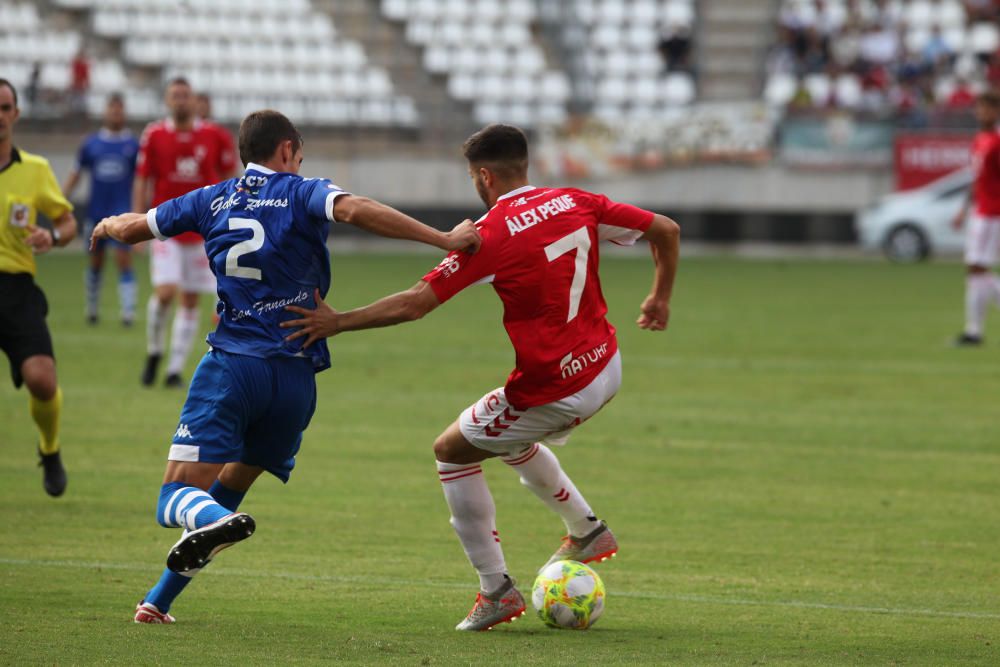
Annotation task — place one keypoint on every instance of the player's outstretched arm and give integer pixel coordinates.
(377, 218)
(324, 321)
(128, 228)
(664, 237)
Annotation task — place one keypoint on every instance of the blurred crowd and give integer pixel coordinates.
(874, 57)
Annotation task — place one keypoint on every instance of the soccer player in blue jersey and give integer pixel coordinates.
(254, 392)
(109, 155)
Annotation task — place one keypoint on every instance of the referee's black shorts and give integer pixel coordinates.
(23, 332)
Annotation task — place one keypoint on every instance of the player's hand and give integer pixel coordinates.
(464, 237)
(655, 314)
(100, 232)
(39, 239)
(316, 324)
(958, 222)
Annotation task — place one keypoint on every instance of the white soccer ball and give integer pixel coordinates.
(568, 594)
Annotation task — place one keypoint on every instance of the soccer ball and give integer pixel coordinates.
(568, 594)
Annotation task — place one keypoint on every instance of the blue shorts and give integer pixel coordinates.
(246, 409)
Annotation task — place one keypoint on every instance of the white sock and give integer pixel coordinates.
(995, 289)
(128, 294)
(92, 282)
(540, 471)
(182, 337)
(473, 516)
(978, 288)
(156, 325)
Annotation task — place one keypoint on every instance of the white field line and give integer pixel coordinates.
(382, 581)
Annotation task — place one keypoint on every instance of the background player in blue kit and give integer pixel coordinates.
(109, 155)
(254, 392)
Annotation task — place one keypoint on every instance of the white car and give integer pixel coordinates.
(910, 226)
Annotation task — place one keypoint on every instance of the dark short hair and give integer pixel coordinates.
(116, 98)
(262, 132)
(13, 90)
(500, 147)
(990, 97)
(178, 81)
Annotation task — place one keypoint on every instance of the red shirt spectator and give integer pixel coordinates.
(81, 73)
(962, 97)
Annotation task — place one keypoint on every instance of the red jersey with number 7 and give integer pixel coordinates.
(539, 252)
(986, 167)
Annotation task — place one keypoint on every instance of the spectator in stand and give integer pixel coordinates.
(879, 45)
(80, 82)
(845, 48)
(802, 100)
(937, 53)
(886, 15)
(993, 71)
(34, 83)
(980, 10)
(675, 48)
(962, 98)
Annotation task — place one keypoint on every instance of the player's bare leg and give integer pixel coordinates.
(205, 493)
(45, 397)
(157, 312)
(182, 335)
(473, 516)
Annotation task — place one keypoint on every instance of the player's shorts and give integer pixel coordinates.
(184, 264)
(493, 425)
(982, 241)
(23, 332)
(248, 410)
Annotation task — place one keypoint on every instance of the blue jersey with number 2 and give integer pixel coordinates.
(265, 237)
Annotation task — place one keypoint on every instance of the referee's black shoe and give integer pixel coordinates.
(149, 371)
(54, 479)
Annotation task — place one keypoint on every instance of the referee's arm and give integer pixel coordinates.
(63, 231)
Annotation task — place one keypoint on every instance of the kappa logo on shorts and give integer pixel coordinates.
(182, 431)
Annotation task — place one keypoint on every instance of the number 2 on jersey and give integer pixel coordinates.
(252, 244)
(579, 241)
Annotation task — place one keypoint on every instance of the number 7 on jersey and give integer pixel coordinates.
(579, 241)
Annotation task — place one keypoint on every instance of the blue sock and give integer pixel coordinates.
(171, 584)
(225, 496)
(186, 506)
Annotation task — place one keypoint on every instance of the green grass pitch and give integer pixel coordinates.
(799, 472)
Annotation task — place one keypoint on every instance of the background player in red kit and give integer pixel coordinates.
(539, 251)
(177, 155)
(982, 238)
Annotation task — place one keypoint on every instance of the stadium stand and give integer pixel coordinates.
(493, 59)
(489, 56)
(528, 62)
(621, 51)
(305, 68)
(883, 57)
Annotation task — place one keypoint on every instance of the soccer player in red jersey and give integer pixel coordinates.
(539, 251)
(982, 238)
(177, 155)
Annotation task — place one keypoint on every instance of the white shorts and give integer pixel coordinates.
(982, 241)
(491, 424)
(182, 264)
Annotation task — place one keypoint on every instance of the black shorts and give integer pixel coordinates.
(23, 332)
